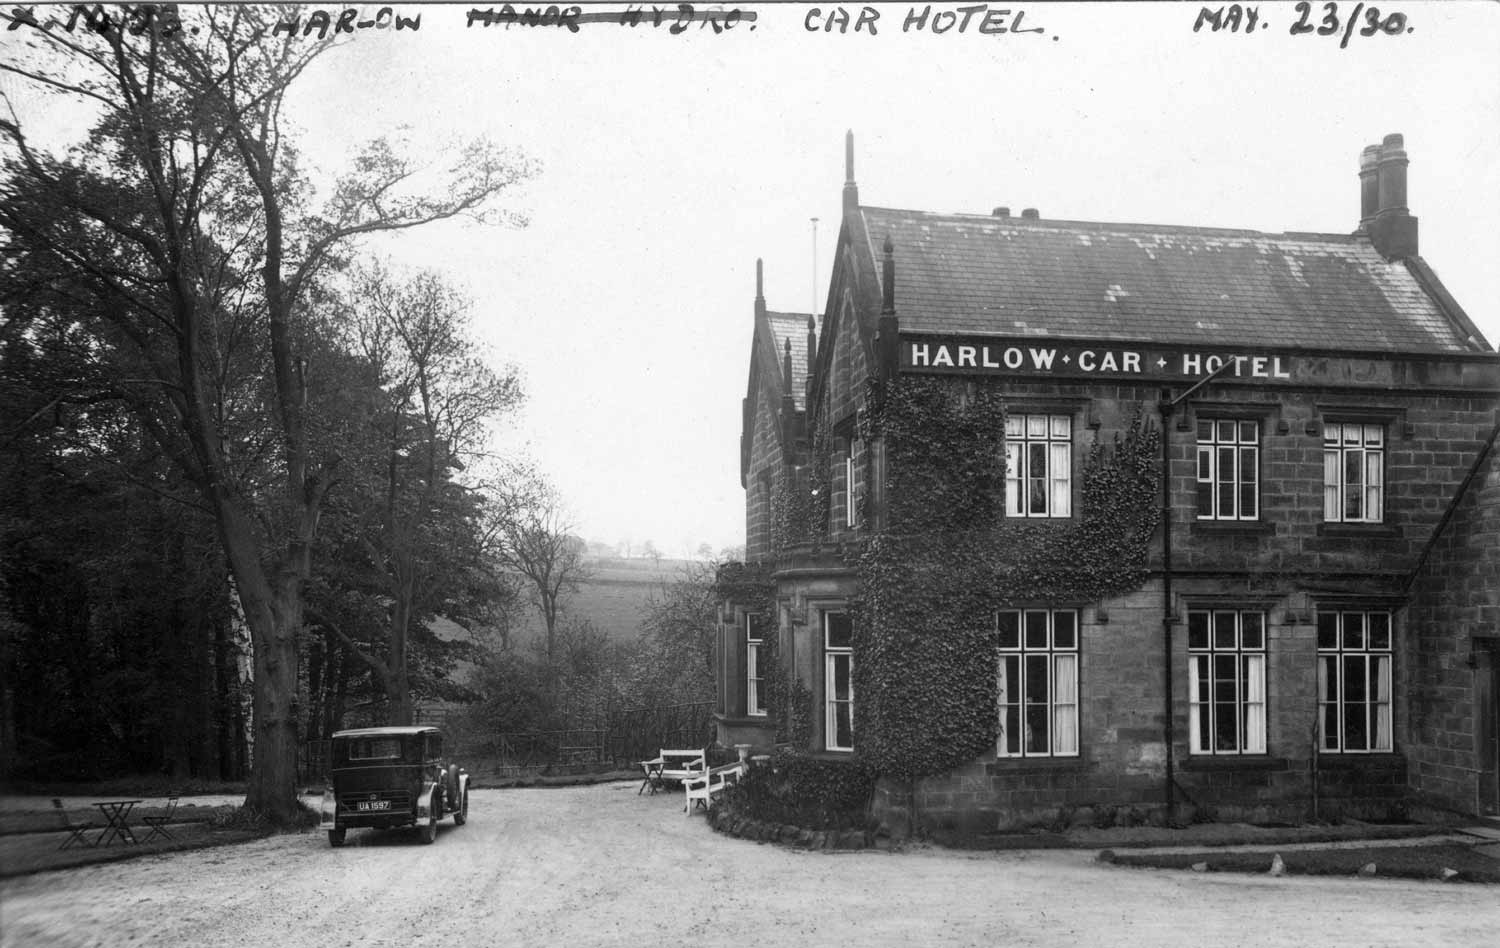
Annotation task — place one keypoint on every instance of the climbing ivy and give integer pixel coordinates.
(947, 559)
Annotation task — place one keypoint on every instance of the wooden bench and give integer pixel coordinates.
(700, 789)
(676, 765)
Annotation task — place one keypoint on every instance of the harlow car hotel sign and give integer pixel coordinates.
(1080, 359)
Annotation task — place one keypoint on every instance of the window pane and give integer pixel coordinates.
(1355, 683)
(1224, 630)
(1253, 630)
(1036, 679)
(1015, 426)
(1197, 630)
(1205, 431)
(1062, 426)
(1249, 432)
(841, 669)
(1013, 476)
(1036, 629)
(1330, 434)
(1061, 480)
(1354, 630)
(1009, 625)
(1202, 680)
(1374, 435)
(843, 730)
(1064, 630)
(1036, 495)
(1332, 506)
(840, 633)
(1010, 729)
(1065, 708)
(1036, 426)
(1380, 630)
(1226, 432)
(1328, 630)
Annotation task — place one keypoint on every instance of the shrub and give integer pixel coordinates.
(808, 792)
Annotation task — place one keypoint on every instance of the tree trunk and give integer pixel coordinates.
(273, 613)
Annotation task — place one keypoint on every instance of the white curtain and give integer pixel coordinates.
(1062, 474)
(1013, 479)
(1255, 704)
(1381, 740)
(1065, 704)
(1332, 508)
(1373, 485)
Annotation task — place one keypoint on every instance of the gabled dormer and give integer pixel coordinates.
(773, 434)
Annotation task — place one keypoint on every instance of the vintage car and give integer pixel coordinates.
(391, 776)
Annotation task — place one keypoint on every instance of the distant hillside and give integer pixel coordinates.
(613, 597)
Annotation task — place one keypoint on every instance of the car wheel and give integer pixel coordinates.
(461, 815)
(426, 834)
(336, 837)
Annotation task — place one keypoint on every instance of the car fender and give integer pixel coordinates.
(425, 810)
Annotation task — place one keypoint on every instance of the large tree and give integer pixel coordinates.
(435, 398)
(531, 536)
(187, 222)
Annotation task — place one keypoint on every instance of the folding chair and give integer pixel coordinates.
(76, 831)
(158, 824)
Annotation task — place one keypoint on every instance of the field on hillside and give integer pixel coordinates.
(613, 597)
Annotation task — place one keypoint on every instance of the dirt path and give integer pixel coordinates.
(601, 866)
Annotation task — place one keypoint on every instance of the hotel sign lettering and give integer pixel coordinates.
(1075, 358)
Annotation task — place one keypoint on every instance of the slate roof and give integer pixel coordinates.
(1072, 279)
(791, 326)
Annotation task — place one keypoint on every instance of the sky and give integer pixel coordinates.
(670, 163)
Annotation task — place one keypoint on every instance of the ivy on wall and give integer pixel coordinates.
(947, 559)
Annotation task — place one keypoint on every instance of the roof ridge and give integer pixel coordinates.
(1059, 223)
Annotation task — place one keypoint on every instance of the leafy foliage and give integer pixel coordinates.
(809, 792)
(932, 581)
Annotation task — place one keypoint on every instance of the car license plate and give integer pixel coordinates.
(374, 805)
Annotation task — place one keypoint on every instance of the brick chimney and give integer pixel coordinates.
(1393, 230)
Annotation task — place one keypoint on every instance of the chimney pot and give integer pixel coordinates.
(1392, 175)
(1001, 212)
(1031, 214)
(1369, 185)
(1394, 230)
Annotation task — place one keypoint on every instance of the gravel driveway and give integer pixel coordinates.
(601, 866)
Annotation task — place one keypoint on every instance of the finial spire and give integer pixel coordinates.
(786, 367)
(851, 190)
(760, 279)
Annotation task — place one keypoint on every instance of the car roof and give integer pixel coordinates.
(389, 731)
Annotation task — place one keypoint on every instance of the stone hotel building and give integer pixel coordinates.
(1049, 514)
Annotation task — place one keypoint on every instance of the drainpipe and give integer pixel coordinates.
(1168, 736)
(1167, 406)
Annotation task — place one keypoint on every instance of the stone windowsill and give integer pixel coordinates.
(1210, 762)
(1331, 761)
(1003, 766)
(1231, 528)
(1358, 530)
